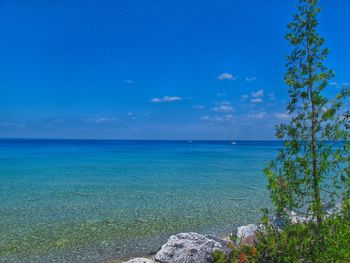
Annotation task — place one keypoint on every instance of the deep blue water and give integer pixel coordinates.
(89, 201)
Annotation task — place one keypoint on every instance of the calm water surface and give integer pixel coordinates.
(89, 201)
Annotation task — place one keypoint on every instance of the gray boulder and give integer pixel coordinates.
(224, 242)
(188, 248)
(330, 210)
(295, 218)
(140, 260)
(250, 240)
(245, 231)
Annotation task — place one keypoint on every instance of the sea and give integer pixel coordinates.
(99, 200)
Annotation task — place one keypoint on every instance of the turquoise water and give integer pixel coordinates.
(90, 201)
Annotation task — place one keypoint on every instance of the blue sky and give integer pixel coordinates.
(135, 69)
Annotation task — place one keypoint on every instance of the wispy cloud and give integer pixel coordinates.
(256, 100)
(58, 120)
(227, 117)
(13, 124)
(258, 93)
(244, 96)
(129, 81)
(100, 119)
(205, 118)
(220, 94)
(256, 116)
(224, 102)
(250, 79)
(282, 115)
(225, 75)
(166, 99)
(340, 84)
(272, 96)
(223, 108)
(199, 107)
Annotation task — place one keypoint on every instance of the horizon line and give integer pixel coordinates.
(98, 139)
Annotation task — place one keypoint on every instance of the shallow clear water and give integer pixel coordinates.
(89, 201)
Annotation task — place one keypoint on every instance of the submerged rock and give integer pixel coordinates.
(188, 248)
(140, 260)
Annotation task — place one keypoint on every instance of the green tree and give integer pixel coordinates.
(312, 170)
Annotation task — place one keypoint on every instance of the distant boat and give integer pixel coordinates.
(189, 141)
(233, 143)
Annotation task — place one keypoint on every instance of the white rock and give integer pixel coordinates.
(140, 260)
(297, 219)
(244, 231)
(333, 210)
(188, 248)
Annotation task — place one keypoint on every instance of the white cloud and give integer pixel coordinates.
(245, 96)
(130, 113)
(282, 115)
(227, 117)
(199, 107)
(58, 120)
(205, 118)
(101, 119)
(223, 108)
(272, 96)
(256, 100)
(250, 79)
(340, 84)
(258, 93)
(13, 125)
(166, 99)
(257, 116)
(226, 76)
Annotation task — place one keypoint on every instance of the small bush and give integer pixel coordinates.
(294, 243)
(245, 254)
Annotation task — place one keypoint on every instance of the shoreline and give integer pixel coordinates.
(113, 253)
(151, 255)
(195, 247)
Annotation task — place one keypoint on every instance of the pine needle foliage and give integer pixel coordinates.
(311, 173)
